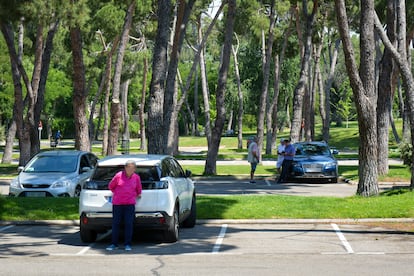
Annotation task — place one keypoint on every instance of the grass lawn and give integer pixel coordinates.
(392, 204)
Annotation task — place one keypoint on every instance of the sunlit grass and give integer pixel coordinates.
(391, 204)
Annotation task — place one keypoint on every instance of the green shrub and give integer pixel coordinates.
(406, 150)
(2, 133)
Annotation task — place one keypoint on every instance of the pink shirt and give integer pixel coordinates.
(125, 189)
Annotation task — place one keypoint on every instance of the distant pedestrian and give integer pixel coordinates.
(126, 187)
(280, 155)
(58, 136)
(287, 161)
(253, 156)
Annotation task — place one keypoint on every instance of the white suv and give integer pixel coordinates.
(168, 198)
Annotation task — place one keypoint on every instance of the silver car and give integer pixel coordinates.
(57, 173)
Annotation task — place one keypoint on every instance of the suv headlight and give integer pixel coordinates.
(61, 184)
(15, 183)
(330, 165)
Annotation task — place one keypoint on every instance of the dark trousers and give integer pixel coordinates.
(125, 213)
(286, 166)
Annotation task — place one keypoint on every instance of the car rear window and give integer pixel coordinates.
(104, 174)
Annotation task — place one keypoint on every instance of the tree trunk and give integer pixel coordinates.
(105, 130)
(385, 88)
(402, 60)
(304, 73)
(47, 52)
(316, 83)
(272, 118)
(171, 110)
(325, 95)
(105, 83)
(79, 92)
(363, 88)
(143, 145)
(263, 106)
(115, 103)
(210, 166)
(240, 98)
(18, 71)
(206, 94)
(17, 123)
(157, 86)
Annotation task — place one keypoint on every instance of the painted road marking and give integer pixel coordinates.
(219, 240)
(268, 183)
(342, 238)
(85, 249)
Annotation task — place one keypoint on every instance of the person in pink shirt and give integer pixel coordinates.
(126, 187)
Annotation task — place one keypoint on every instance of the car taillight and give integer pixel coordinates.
(85, 220)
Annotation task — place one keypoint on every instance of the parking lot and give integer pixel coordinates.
(219, 247)
(266, 247)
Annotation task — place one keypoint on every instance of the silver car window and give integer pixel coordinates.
(52, 164)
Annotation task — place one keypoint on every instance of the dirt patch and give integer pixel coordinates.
(397, 226)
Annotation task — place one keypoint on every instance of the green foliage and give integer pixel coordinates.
(109, 20)
(406, 150)
(65, 125)
(133, 129)
(2, 133)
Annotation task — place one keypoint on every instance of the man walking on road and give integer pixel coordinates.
(287, 161)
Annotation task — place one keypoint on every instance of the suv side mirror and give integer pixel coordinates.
(20, 169)
(85, 169)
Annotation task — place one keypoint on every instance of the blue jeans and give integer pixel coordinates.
(125, 213)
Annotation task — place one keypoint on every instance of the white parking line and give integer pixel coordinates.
(342, 238)
(6, 227)
(85, 249)
(268, 183)
(219, 240)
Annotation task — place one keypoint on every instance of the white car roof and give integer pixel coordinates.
(140, 159)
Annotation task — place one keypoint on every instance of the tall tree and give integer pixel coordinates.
(266, 76)
(76, 12)
(210, 165)
(302, 84)
(171, 109)
(115, 102)
(402, 60)
(363, 88)
(386, 86)
(157, 86)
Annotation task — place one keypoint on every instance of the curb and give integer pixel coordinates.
(229, 221)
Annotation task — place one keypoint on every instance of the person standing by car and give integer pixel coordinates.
(126, 187)
(287, 161)
(253, 156)
(280, 157)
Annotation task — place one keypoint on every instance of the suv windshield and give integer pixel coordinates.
(312, 149)
(41, 164)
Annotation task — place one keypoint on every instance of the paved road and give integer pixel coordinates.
(213, 249)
